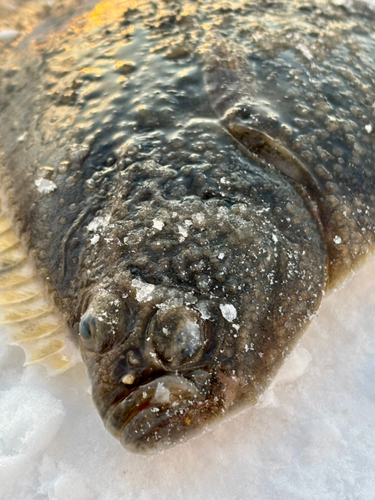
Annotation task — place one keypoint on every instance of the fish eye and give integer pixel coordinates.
(87, 330)
(106, 321)
(178, 335)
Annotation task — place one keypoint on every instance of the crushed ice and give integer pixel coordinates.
(144, 291)
(228, 311)
(45, 186)
(162, 394)
(158, 224)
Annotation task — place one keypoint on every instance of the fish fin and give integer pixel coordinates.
(27, 317)
(4, 224)
(11, 256)
(7, 239)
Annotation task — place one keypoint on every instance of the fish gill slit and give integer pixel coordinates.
(28, 319)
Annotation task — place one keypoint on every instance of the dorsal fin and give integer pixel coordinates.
(28, 318)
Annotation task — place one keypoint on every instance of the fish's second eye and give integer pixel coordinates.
(88, 331)
(178, 335)
(85, 330)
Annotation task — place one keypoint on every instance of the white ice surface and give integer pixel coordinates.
(311, 437)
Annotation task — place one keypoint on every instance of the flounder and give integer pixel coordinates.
(181, 183)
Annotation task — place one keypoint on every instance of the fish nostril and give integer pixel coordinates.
(133, 358)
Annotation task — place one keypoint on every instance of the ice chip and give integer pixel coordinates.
(162, 394)
(182, 231)
(95, 239)
(158, 224)
(337, 240)
(98, 223)
(228, 311)
(45, 186)
(144, 290)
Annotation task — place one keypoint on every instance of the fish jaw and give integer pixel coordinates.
(147, 400)
(158, 414)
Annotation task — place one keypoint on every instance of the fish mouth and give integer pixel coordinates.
(155, 415)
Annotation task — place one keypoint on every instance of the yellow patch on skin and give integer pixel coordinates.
(28, 319)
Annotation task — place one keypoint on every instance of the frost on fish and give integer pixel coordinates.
(189, 181)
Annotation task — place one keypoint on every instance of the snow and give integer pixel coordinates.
(98, 224)
(228, 311)
(311, 436)
(45, 186)
(337, 240)
(158, 224)
(190, 337)
(144, 290)
(162, 394)
(94, 239)
(182, 231)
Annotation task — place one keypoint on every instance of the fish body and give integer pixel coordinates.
(187, 179)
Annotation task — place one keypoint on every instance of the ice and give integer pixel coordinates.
(294, 367)
(98, 223)
(337, 240)
(143, 290)
(94, 239)
(228, 311)
(158, 224)
(45, 186)
(203, 309)
(162, 394)
(182, 231)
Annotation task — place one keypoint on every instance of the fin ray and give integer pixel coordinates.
(19, 293)
(7, 239)
(29, 319)
(12, 256)
(4, 224)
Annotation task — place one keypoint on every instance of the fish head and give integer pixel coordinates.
(203, 276)
(154, 365)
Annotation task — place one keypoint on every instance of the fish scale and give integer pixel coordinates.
(185, 182)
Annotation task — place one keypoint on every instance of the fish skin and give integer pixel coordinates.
(211, 169)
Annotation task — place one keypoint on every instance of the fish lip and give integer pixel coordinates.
(145, 398)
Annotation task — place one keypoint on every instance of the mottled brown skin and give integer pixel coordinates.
(214, 171)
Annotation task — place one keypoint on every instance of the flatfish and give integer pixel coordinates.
(181, 183)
